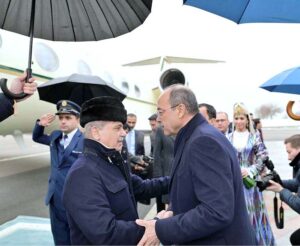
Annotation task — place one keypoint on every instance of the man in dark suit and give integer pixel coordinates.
(65, 146)
(134, 138)
(163, 158)
(153, 124)
(206, 190)
(99, 193)
(18, 85)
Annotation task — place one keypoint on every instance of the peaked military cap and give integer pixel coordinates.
(67, 107)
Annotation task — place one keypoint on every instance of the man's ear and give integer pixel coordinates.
(181, 109)
(95, 133)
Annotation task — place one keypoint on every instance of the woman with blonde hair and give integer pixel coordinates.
(251, 153)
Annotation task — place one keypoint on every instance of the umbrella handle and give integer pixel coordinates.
(8, 93)
(289, 110)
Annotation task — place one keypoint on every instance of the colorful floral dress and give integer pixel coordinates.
(251, 157)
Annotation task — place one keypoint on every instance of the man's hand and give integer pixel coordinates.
(18, 85)
(274, 186)
(149, 237)
(164, 214)
(46, 119)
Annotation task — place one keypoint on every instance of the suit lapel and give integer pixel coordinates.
(176, 161)
(71, 146)
(182, 139)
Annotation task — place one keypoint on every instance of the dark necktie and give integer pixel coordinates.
(65, 139)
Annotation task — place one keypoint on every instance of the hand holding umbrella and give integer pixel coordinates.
(18, 86)
(63, 20)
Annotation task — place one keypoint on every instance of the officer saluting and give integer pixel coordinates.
(65, 146)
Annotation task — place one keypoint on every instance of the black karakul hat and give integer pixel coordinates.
(67, 107)
(103, 108)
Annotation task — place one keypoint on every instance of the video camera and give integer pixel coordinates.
(146, 162)
(272, 175)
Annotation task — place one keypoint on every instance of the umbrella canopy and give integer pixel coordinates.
(77, 88)
(286, 82)
(252, 11)
(65, 20)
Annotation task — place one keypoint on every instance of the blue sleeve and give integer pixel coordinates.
(293, 200)
(39, 136)
(148, 188)
(6, 107)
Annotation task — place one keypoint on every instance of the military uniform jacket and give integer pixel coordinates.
(99, 197)
(60, 164)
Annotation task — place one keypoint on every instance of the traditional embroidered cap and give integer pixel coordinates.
(104, 108)
(240, 109)
(67, 107)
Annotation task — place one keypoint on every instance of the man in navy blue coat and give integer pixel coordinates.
(18, 85)
(65, 146)
(99, 193)
(206, 192)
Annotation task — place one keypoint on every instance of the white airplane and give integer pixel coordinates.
(51, 60)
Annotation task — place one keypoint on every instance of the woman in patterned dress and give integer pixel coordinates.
(251, 152)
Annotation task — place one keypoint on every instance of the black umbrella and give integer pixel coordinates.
(77, 88)
(70, 20)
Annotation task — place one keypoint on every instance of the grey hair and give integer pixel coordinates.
(222, 112)
(88, 127)
(180, 94)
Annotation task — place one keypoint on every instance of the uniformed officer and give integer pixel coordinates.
(65, 146)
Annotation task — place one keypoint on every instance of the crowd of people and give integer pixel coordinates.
(201, 169)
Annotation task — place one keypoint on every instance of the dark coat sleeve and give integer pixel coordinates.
(6, 107)
(39, 136)
(286, 195)
(148, 188)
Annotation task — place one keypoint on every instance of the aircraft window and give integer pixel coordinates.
(83, 68)
(46, 57)
(0, 41)
(137, 91)
(125, 87)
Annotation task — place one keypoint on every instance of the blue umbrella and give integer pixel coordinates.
(287, 81)
(252, 11)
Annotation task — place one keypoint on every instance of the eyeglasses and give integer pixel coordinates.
(160, 111)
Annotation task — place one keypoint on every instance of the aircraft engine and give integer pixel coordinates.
(170, 77)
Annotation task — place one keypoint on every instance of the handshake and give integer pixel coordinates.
(150, 237)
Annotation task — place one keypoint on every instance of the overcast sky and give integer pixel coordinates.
(252, 53)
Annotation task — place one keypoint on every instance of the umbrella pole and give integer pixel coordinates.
(31, 31)
(3, 82)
